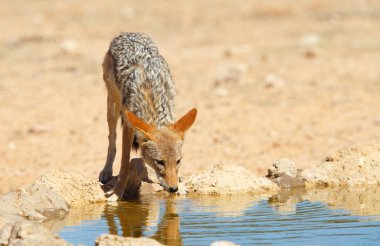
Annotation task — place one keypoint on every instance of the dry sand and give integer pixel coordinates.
(271, 79)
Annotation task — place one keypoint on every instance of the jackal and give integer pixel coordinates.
(140, 89)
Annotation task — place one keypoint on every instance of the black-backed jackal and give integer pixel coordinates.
(140, 89)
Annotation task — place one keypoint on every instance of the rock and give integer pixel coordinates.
(280, 167)
(311, 53)
(29, 234)
(36, 205)
(350, 167)
(38, 129)
(5, 234)
(310, 39)
(73, 188)
(273, 81)
(228, 179)
(11, 146)
(70, 46)
(49, 197)
(128, 12)
(230, 75)
(223, 243)
(284, 174)
(287, 182)
(114, 240)
(182, 189)
(221, 92)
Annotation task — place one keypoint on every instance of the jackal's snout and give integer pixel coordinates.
(172, 179)
(169, 183)
(173, 189)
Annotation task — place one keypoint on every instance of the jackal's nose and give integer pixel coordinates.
(173, 189)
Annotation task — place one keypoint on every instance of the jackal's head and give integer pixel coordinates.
(161, 146)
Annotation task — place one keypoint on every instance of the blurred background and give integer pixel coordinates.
(271, 79)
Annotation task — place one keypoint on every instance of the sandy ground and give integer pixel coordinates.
(271, 79)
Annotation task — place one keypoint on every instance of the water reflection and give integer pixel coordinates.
(168, 231)
(76, 216)
(285, 202)
(363, 201)
(227, 205)
(136, 218)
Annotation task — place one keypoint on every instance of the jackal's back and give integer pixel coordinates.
(143, 77)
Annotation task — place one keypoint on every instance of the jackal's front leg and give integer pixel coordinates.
(113, 114)
(117, 192)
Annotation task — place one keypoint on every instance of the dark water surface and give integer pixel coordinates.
(319, 217)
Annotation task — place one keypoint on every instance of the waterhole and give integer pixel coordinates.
(322, 217)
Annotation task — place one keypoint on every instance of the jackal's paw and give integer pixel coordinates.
(113, 198)
(115, 194)
(105, 176)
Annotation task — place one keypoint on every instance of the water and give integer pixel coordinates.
(319, 217)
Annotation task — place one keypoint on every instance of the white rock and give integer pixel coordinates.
(70, 46)
(221, 92)
(114, 240)
(223, 243)
(310, 39)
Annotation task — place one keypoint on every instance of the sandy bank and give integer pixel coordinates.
(56, 192)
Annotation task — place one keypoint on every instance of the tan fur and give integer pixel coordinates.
(138, 82)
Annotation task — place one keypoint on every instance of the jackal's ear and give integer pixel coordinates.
(138, 123)
(186, 121)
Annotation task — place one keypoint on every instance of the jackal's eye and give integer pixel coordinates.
(160, 162)
(178, 161)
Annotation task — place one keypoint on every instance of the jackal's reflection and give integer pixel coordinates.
(136, 216)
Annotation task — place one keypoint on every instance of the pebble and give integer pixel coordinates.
(70, 46)
(310, 39)
(273, 81)
(128, 12)
(221, 92)
(36, 129)
(11, 146)
(223, 243)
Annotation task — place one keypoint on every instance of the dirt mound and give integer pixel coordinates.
(228, 179)
(351, 167)
(73, 188)
(50, 196)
